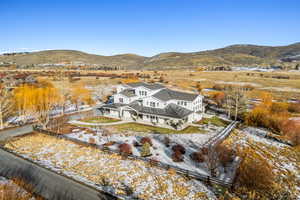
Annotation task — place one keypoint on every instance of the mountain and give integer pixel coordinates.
(231, 55)
(68, 56)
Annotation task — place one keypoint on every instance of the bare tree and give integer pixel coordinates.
(212, 160)
(235, 101)
(6, 104)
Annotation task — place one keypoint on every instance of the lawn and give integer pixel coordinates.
(214, 121)
(100, 119)
(153, 129)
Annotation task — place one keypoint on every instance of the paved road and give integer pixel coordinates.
(12, 132)
(47, 183)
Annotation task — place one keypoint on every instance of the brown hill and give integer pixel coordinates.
(231, 55)
(71, 56)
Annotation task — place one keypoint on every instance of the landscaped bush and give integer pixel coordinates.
(204, 151)
(167, 141)
(177, 156)
(125, 148)
(226, 154)
(146, 140)
(197, 157)
(178, 148)
(145, 152)
(92, 140)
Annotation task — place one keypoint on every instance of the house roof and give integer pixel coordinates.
(128, 93)
(150, 86)
(171, 110)
(167, 94)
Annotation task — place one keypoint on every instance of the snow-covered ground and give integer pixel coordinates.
(30, 118)
(109, 172)
(191, 142)
(238, 83)
(259, 69)
(160, 152)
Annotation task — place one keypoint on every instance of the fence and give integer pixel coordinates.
(188, 173)
(218, 138)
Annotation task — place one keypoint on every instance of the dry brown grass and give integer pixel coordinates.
(16, 189)
(112, 168)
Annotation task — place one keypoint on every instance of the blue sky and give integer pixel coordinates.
(146, 27)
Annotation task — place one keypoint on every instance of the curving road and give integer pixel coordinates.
(46, 183)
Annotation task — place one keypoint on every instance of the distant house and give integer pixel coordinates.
(154, 104)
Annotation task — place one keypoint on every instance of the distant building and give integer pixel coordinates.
(154, 104)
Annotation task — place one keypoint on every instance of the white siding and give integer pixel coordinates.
(153, 102)
(126, 100)
(140, 91)
(198, 104)
(118, 98)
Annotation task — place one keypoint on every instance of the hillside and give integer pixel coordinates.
(68, 56)
(231, 55)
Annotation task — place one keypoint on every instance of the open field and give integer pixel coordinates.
(186, 79)
(108, 171)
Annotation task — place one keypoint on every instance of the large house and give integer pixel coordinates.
(154, 104)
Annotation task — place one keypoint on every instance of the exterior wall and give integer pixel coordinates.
(149, 92)
(112, 114)
(184, 104)
(194, 117)
(158, 103)
(126, 114)
(197, 104)
(126, 100)
(138, 91)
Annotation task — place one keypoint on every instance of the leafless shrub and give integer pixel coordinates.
(146, 139)
(125, 148)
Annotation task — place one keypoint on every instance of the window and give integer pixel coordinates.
(185, 103)
(152, 104)
(121, 100)
(145, 93)
(157, 104)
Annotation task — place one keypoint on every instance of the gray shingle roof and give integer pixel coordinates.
(151, 86)
(172, 110)
(128, 93)
(167, 94)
